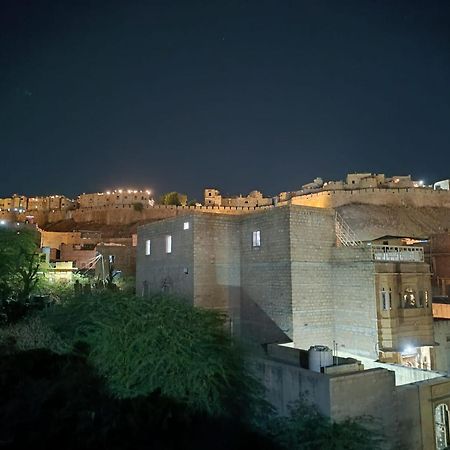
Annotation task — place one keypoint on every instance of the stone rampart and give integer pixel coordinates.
(127, 214)
(415, 197)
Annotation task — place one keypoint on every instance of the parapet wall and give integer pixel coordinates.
(416, 197)
(127, 214)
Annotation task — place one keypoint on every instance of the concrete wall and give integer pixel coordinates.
(368, 393)
(349, 395)
(442, 351)
(288, 383)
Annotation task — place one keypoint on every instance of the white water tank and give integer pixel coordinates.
(319, 356)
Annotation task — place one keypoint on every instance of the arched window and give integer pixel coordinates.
(441, 426)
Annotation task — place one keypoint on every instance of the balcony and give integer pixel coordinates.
(393, 253)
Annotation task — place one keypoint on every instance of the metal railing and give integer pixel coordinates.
(345, 235)
(394, 253)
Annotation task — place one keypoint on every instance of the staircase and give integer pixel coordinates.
(344, 234)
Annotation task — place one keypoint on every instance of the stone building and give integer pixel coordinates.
(369, 187)
(49, 203)
(282, 276)
(295, 276)
(116, 198)
(16, 203)
(121, 256)
(254, 199)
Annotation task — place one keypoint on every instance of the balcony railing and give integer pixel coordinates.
(394, 253)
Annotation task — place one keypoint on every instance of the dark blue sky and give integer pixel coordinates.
(239, 95)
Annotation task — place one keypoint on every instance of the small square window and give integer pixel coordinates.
(169, 244)
(256, 238)
(186, 226)
(148, 247)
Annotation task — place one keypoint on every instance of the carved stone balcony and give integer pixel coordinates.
(394, 253)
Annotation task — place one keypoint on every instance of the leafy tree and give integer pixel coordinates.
(20, 263)
(161, 342)
(307, 429)
(173, 198)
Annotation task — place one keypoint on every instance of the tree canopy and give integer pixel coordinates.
(19, 263)
(173, 198)
(161, 342)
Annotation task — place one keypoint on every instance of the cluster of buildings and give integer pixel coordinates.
(88, 253)
(21, 203)
(346, 301)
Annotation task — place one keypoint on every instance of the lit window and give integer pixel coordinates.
(169, 244)
(256, 238)
(186, 226)
(409, 299)
(148, 247)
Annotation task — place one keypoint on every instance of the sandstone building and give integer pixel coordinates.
(255, 198)
(282, 275)
(115, 198)
(298, 275)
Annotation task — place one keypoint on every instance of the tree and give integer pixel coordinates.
(173, 198)
(306, 429)
(20, 263)
(160, 342)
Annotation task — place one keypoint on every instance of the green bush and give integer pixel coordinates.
(306, 429)
(142, 344)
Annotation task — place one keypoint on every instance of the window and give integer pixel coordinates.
(421, 299)
(409, 299)
(256, 239)
(186, 226)
(385, 298)
(148, 247)
(441, 426)
(169, 244)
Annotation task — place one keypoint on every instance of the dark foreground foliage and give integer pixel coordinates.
(57, 401)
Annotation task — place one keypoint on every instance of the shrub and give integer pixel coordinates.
(143, 344)
(307, 429)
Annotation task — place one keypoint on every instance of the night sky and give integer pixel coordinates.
(238, 95)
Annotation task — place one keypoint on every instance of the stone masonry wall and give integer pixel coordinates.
(416, 197)
(217, 264)
(312, 239)
(266, 277)
(166, 271)
(355, 309)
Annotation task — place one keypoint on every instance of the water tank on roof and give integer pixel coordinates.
(319, 356)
